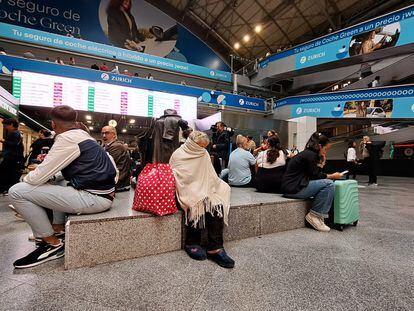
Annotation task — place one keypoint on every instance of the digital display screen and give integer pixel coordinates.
(40, 90)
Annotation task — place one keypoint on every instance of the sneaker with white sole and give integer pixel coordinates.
(38, 241)
(43, 253)
(317, 222)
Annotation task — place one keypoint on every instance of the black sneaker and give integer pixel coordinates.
(60, 235)
(222, 259)
(43, 253)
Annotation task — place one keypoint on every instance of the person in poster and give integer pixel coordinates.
(368, 44)
(122, 28)
(123, 31)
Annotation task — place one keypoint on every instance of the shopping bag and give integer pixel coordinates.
(155, 191)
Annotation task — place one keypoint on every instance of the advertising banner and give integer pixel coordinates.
(382, 102)
(394, 29)
(127, 30)
(10, 63)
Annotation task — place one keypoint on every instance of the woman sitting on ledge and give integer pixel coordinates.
(270, 166)
(204, 197)
(304, 179)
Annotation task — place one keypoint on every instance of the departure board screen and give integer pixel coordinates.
(41, 90)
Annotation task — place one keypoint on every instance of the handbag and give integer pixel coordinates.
(155, 191)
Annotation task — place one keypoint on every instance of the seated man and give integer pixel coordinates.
(90, 173)
(119, 152)
(204, 198)
(240, 161)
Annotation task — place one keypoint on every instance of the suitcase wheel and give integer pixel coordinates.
(355, 223)
(341, 227)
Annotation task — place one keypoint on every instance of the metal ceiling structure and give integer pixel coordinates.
(222, 23)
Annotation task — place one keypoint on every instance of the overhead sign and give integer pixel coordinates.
(382, 102)
(216, 98)
(391, 30)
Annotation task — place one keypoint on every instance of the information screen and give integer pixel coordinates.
(40, 90)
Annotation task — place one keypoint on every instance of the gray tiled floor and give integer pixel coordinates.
(370, 267)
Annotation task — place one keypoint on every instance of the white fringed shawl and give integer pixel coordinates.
(199, 189)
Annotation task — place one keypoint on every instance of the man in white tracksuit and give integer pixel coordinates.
(89, 173)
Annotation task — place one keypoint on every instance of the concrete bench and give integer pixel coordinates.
(122, 233)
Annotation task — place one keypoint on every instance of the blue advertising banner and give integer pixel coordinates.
(394, 29)
(133, 24)
(382, 102)
(10, 63)
(87, 47)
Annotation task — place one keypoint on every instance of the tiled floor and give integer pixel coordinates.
(370, 267)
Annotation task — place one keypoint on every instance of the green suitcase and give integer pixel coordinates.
(346, 203)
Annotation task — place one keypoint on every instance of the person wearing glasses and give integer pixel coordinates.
(120, 154)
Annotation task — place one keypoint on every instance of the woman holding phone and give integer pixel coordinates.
(304, 179)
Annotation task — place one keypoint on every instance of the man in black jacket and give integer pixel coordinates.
(221, 143)
(11, 166)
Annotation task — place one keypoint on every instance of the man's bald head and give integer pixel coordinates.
(108, 134)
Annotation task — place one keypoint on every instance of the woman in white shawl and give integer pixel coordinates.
(204, 197)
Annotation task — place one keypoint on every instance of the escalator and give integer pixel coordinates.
(395, 134)
(398, 148)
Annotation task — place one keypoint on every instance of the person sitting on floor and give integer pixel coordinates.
(238, 172)
(251, 145)
(304, 179)
(120, 154)
(263, 146)
(90, 174)
(270, 167)
(204, 197)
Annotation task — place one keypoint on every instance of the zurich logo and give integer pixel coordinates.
(212, 73)
(241, 101)
(412, 108)
(303, 59)
(105, 76)
(299, 110)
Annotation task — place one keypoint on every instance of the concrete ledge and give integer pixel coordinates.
(122, 233)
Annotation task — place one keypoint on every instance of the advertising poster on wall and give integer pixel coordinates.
(383, 102)
(133, 25)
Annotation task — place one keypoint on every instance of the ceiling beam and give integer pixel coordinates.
(269, 16)
(303, 17)
(324, 10)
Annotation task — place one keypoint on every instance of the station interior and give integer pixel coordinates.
(338, 69)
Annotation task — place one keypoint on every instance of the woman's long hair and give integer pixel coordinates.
(274, 148)
(316, 141)
(114, 5)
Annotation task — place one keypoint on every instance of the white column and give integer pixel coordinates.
(305, 127)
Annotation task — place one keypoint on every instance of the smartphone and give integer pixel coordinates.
(344, 172)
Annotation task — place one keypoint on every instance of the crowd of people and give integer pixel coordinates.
(272, 168)
(70, 172)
